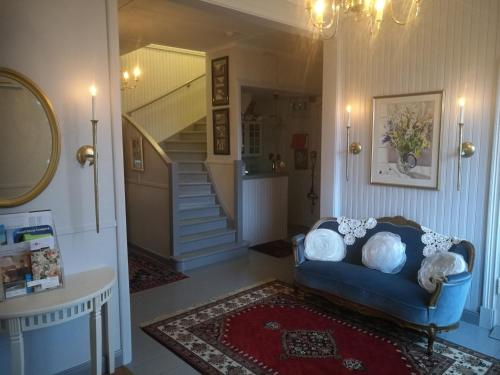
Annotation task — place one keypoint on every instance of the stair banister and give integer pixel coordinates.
(172, 182)
(187, 84)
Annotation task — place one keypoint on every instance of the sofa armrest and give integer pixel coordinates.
(298, 248)
(451, 291)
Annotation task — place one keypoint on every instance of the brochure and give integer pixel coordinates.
(30, 260)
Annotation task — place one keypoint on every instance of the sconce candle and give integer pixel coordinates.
(348, 109)
(465, 149)
(93, 92)
(461, 112)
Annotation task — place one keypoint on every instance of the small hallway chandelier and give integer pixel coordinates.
(325, 15)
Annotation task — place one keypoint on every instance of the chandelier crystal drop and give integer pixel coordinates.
(325, 15)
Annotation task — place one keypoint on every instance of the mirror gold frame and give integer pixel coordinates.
(56, 146)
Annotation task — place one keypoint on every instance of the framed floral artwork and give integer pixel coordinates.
(406, 139)
(220, 81)
(221, 131)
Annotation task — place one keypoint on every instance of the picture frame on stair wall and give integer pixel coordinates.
(137, 154)
(221, 131)
(220, 81)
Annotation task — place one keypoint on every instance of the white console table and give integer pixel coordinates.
(83, 293)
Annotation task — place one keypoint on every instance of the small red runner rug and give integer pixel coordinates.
(277, 249)
(146, 272)
(270, 330)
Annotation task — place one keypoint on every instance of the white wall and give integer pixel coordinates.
(453, 46)
(147, 197)
(63, 47)
(258, 68)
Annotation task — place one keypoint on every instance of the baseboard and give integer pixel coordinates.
(134, 247)
(495, 333)
(85, 368)
(471, 317)
(487, 317)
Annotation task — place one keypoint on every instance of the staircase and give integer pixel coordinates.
(205, 235)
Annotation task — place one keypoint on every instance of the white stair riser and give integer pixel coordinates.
(207, 242)
(191, 167)
(199, 127)
(192, 137)
(203, 227)
(190, 156)
(185, 145)
(204, 199)
(201, 177)
(200, 212)
(194, 189)
(189, 264)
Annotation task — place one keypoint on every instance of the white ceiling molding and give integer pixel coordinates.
(286, 12)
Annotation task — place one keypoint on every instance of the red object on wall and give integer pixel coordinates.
(299, 141)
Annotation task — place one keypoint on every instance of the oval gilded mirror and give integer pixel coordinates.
(29, 139)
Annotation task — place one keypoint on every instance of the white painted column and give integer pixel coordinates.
(490, 308)
(16, 346)
(96, 337)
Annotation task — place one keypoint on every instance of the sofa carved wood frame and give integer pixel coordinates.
(429, 330)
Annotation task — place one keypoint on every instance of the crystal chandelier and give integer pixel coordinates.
(325, 15)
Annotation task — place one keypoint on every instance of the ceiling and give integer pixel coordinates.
(196, 25)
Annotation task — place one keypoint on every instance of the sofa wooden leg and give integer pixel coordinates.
(431, 337)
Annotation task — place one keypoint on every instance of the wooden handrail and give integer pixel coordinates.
(162, 154)
(187, 84)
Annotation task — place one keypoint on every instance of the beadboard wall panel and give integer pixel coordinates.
(265, 209)
(453, 46)
(175, 112)
(163, 69)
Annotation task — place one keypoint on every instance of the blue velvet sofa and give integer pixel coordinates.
(397, 297)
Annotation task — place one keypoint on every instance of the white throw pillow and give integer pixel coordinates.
(324, 244)
(385, 252)
(437, 267)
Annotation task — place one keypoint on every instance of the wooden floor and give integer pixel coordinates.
(122, 371)
(151, 358)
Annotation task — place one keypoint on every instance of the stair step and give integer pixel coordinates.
(199, 126)
(207, 234)
(198, 176)
(195, 188)
(187, 201)
(192, 135)
(210, 255)
(182, 145)
(190, 166)
(202, 240)
(198, 211)
(187, 155)
(202, 224)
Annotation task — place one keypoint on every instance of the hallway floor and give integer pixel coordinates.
(203, 284)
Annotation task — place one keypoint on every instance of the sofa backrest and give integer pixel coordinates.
(411, 234)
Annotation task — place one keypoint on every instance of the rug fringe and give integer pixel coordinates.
(214, 299)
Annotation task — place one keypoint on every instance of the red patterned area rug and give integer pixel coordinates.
(278, 249)
(269, 329)
(146, 273)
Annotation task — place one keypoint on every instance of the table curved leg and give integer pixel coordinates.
(16, 346)
(110, 354)
(96, 336)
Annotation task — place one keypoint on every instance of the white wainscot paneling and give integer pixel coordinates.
(265, 209)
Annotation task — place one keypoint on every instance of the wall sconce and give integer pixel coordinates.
(352, 148)
(465, 149)
(126, 79)
(87, 153)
